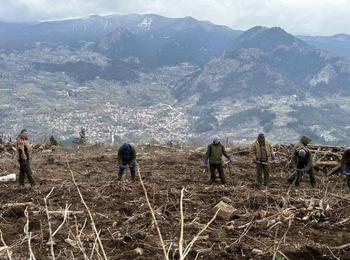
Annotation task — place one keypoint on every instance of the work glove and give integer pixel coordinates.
(232, 160)
(344, 172)
(255, 161)
(304, 170)
(205, 162)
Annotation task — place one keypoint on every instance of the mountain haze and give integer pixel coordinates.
(153, 78)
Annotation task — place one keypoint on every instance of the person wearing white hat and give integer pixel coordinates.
(213, 157)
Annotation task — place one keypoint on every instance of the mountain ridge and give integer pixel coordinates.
(153, 77)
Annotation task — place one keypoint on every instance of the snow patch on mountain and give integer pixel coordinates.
(146, 24)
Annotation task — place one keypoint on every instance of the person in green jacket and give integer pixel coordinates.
(302, 162)
(213, 157)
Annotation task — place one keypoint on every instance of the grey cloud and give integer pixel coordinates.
(296, 16)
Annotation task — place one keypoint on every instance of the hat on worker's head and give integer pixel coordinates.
(302, 153)
(261, 137)
(347, 151)
(216, 138)
(305, 140)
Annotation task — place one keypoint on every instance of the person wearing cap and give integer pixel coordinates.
(345, 166)
(262, 151)
(127, 157)
(24, 156)
(302, 162)
(213, 157)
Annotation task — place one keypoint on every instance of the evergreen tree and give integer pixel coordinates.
(53, 141)
(82, 139)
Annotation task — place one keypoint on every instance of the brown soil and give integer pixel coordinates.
(274, 220)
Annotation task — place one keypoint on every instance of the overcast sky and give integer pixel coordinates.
(321, 17)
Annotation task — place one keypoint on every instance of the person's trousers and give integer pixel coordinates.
(296, 178)
(220, 169)
(25, 171)
(262, 174)
(132, 167)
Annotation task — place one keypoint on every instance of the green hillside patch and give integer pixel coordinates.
(327, 117)
(264, 116)
(205, 123)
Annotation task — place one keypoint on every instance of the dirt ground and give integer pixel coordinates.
(274, 222)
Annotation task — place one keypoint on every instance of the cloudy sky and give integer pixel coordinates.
(321, 17)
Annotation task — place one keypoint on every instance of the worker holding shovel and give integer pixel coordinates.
(302, 162)
(213, 158)
(261, 151)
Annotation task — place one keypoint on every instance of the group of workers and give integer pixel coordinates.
(262, 154)
(261, 151)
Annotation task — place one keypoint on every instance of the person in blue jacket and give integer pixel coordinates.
(127, 157)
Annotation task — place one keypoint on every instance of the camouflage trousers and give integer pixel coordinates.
(262, 174)
(296, 178)
(25, 171)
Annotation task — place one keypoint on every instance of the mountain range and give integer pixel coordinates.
(193, 78)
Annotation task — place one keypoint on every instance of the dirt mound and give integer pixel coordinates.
(278, 222)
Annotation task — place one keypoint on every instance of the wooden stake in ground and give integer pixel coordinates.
(152, 212)
(51, 243)
(183, 253)
(9, 253)
(181, 225)
(29, 235)
(189, 246)
(89, 212)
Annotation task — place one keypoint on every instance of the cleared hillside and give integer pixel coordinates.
(301, 223)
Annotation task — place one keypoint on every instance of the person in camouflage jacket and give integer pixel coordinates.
(24, 156)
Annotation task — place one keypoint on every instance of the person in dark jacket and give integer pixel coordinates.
(345, 166)
(213, 156)
(127, 157)
(24, 155)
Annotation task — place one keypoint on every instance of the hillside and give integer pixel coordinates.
(149, 78)
(270, 61)
(270, 79)
(338, 44)
(299, 223)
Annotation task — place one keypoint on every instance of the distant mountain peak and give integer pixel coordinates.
(267, 39)
(342, 37)
(94, 16)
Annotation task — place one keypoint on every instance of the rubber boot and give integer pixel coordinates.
(133, 177)
(120, 176)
